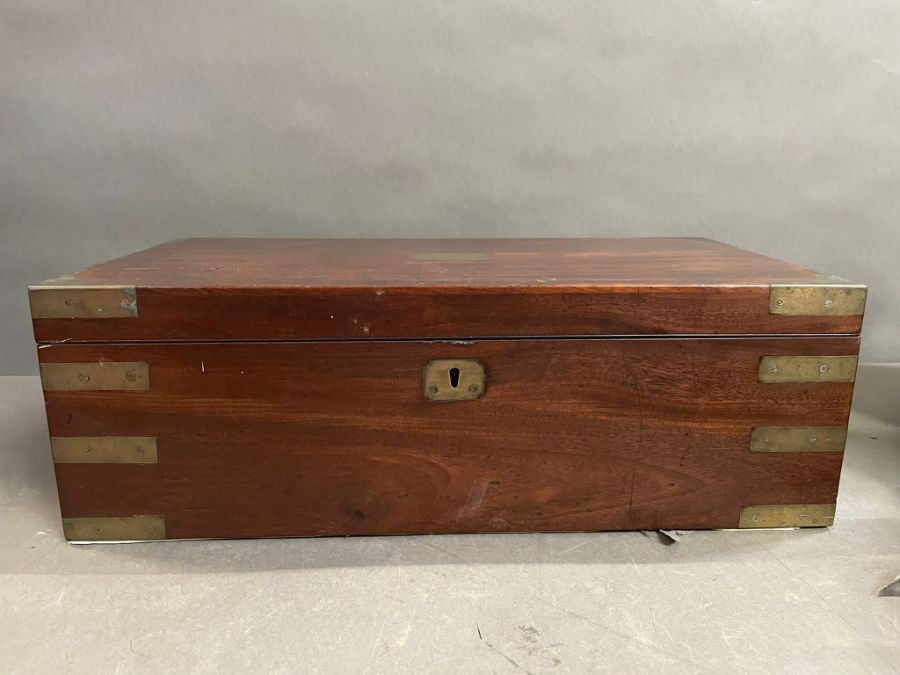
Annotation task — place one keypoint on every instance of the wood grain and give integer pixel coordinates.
(279, 439)
(292, 289)
(373, 263)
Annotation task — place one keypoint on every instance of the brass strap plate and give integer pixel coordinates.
(102, 376)
(453, 380)
(798, 439)
(130, 528)
(787, 515)
(450, 256)
(776, 369)
(817, 299)
(103, 449)
(83, 302)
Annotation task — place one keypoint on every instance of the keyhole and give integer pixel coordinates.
(454, 377)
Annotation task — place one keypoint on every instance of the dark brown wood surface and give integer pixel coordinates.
(278, 439)
(373, 263)
(249, 289)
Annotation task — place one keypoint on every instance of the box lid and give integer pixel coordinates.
(298, 289)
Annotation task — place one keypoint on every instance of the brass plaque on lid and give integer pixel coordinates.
(450, 256)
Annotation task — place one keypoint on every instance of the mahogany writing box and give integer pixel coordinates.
(266, 387)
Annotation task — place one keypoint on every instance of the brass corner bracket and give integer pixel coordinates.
(779, 369)
(830, 298)
(129, 528)
(102, 376)
(787, 515)
(61, 301)
(798, 439)
(104, 449)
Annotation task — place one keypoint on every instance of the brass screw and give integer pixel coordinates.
(779, 302)
(84, 377)
(432, 389)
(131, 376)
(473, 388)
(823, 368)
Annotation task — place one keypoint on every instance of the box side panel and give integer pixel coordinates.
(311, 439)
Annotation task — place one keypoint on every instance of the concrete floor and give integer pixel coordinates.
(717, 602)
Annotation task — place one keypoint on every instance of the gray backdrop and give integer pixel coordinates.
(770, 125)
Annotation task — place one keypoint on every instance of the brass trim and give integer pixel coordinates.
(129, 528)
(787, 515)
(777, 369)
(437, 382)
(82, 302)
(104, 449)
(450, 256)
(102, 376)
(817, 299)
(798, 439)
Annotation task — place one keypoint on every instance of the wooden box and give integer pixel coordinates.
(268, 388)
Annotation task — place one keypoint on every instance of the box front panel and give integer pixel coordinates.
(281, 439)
